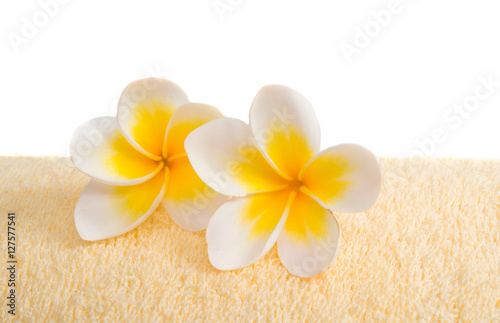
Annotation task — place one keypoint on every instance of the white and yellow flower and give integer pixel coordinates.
(284, 187)
(137, 161)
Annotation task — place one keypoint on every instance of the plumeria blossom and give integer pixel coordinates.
(137, 161)
(284, 188)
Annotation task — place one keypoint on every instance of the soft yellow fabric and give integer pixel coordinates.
(428, 250)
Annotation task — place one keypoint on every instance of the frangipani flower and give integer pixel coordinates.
(137, 161)
(284, 187)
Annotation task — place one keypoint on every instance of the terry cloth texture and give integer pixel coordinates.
(428, 250)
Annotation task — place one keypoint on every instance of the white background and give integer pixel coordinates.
(394, 91)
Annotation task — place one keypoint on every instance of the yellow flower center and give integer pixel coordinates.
(165, 162)
(168, 160)
(295, 185)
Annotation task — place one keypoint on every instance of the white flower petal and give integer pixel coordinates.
(345, 177)
(310, 240)
(144, 111)
(244, 229)
(105, 211)
(224, 155)
(189, 202)
(99, 150)
(285, 127)
(185, 119)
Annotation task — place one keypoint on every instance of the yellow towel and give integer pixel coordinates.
(428, 250)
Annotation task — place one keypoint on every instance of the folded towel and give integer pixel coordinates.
(428, 250)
